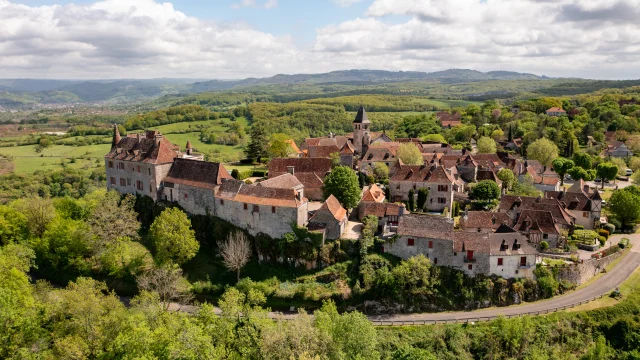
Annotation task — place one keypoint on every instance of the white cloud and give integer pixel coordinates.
(268, 4)
(145, 38)
(345, 3)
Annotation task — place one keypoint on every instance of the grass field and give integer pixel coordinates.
(27, 160)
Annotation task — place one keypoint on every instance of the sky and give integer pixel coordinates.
(232, 39)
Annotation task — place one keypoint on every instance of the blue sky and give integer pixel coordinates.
(226, 39)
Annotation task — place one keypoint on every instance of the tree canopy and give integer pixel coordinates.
(342, 182)
(409, 154)
(486, 145)
(173, 237)
(543, 150)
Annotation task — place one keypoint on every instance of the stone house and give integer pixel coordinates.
(388, 214)
(284, 181)
(137, 163)
(510, 256)
(544, 178)
(584, 205)
(192, 184)
(333, 216)
(260, 209)
(538, 226)
(618, 149)
(555, 111)
(414, 177)
(309, 171)
(372, 193)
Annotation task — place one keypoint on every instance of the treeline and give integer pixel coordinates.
(379, 103)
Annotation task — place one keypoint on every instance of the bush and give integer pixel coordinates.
(235, 173)
(623, 243)
(544, 245)
(602, 240)
(259, 173)
(603, 233)
(578, 227)
(248, 182)
(609, 227)
(615, 223)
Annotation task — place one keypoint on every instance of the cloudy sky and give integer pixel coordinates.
(228, 39)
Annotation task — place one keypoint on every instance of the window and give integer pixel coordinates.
(186, 196)
(442, 200)
(273, 209)
(150, 189)
(138, 168)
(411, 242)
(245, 206)
(256, 209)
(435, 261)
(113, 180)
(221, 201)
(545, 236)
(523, 261)
(499, 261)
(123, 182)
(149, 171)
(139, 185)
(129, 182)
(430, 244)
(443, 187)
(585, 214)
(470, 267)
(469, 254)
(111, 164)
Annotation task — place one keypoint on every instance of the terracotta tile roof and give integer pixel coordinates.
(372, 193)
(202, 174)
(510, 244)
(468, 241)
(320, 166)
(332, 205)
(484, 220)
(293, 145)
(238, 191)
(378, 209)
(426, 226)
(570, 200)
(422, 173)
(556, 109)
(310, 180)
(536, 221)
(152, 148)
(284, 181)
(322, 151)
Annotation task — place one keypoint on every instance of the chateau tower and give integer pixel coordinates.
(361, 136)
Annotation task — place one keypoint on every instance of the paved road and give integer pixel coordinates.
(603, 285)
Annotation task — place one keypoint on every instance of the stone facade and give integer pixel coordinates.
(580, 273)
(414, 177)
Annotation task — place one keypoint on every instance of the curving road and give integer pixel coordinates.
(603, 285)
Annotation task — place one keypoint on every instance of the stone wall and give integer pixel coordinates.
(400, 192)
(149, 174)
(194, 200)
(580, 273)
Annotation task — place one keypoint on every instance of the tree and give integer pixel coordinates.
(578, 173)
(620, 164)
(335, 159)
(634, 164)
(380, 171)
(582, 160)
(167, 282)
(507, 177)
(257, 147)
(486, 145)
(423, 195)
(125, 258)
(279, 146)
(39, 212)
(235, 252)
(606, 171)
(434, 138)
(173, 236)
(112, 217)
(412, 200)
(543, 150)
(525, 187)
(485, 190)
(409, 154)
(342, 183)
(561, 166)
(625, 205)
(13, 225)
(497, 134)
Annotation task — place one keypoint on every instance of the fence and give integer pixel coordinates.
(477, 318)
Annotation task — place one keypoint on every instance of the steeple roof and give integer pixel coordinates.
(189, 145)
(361, 117)
(116, 136)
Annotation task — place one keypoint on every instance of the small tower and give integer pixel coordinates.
(189, 148)
(116, 136)
(361, 126)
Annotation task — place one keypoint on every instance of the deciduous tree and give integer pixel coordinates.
(173, 236)
(625, 205)
(561, 166)
(342, 182)
(235, 252)
(486, 145)
(507, 177)
(606, 171)
(543, 150)
(409, 154)
(485, 190)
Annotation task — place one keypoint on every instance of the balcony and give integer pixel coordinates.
(469, 260)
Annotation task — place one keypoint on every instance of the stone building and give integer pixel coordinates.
(192, 184)
(388, 214)
(260, 209)
(332, 216)
(309, 171)
(584, 205)
(137, 163)
(483, 221)
(510, 256)
(414, 177)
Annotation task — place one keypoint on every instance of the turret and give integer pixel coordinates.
(116, 136)
(361, 126)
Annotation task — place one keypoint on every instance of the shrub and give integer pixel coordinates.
(235, 173)
(544, 245)
(259, 173)
(578, 227)
(602, 240)
(248, 182)
(603, 233)
(609, 227)
(623, 243)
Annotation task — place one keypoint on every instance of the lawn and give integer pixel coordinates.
(193, 125)
(27, 160)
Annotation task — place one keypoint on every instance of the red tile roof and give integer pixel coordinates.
(152, 148)
(421, 173)
(202, 174)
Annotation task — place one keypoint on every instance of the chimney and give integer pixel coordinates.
(158, 139)
(116, 136)
(138, 137)
(585, 188)
(290, 170)
(401, 210)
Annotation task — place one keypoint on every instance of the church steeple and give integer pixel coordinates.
(116, 136)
